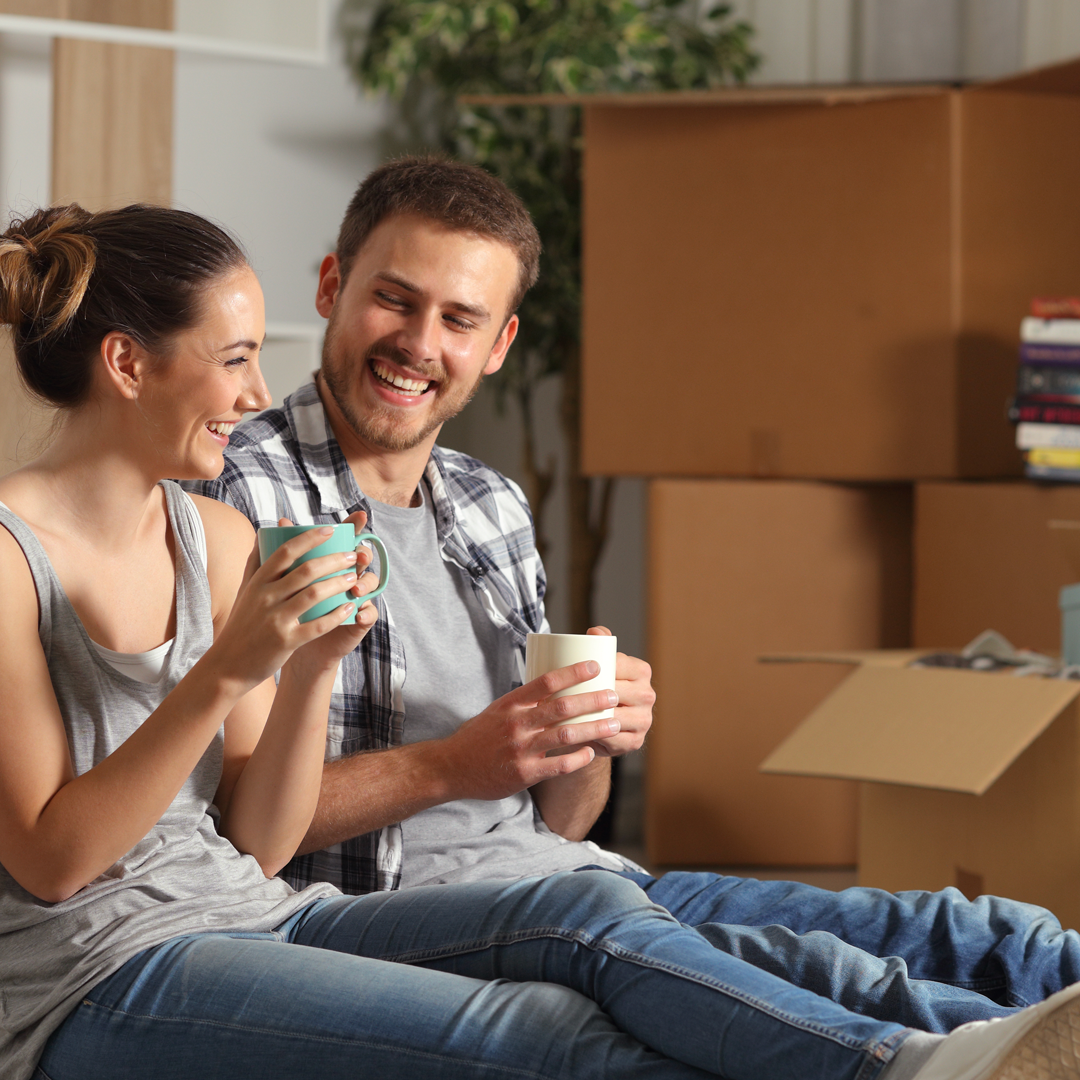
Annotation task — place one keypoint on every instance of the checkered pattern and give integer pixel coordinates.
(286, 463)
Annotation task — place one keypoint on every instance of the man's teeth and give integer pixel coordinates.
(221, 427)
(408, 386)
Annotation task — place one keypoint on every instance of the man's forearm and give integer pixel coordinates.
(369, 791)
(571, 804)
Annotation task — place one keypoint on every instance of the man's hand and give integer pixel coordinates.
(636, 699)
(506, 748)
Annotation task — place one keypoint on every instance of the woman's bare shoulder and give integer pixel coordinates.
(230, 542)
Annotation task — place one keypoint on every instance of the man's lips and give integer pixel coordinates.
(399, 384)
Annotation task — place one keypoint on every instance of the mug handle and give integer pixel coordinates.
(384, 564)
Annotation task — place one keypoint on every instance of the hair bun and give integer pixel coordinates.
(46, 261)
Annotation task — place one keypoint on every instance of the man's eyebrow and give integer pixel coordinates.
(481, 314)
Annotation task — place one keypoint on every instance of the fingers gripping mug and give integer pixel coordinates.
(546, 652)
(344, 539)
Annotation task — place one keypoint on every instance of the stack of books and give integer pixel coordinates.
(1046, 409)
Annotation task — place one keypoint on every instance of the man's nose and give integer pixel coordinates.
(419, 336)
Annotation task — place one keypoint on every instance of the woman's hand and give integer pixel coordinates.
(338, 642)
(263, 629)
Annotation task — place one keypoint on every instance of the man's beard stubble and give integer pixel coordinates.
(382, 427)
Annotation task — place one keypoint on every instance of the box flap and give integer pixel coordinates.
(927, 727)
(1063, 78)
(869, 657)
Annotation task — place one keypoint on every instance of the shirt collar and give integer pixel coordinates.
(328, 472)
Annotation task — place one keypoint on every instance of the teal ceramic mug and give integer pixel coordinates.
(344, 539)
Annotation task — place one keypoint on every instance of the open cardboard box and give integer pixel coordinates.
(969, 778)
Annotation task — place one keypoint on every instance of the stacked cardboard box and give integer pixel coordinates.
(825, 286)
(740, 567)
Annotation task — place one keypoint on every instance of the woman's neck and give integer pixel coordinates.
(87, 483)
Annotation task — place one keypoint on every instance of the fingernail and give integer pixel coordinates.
(349, 576)
(592, 667)
(326, 530)
(613, 726)
(612, 698)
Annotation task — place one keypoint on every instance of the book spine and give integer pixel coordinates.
(1028, 411)
(1054, 457)
(1050, 331)
(1048, 382)
(1040, 353)
(1045, 472)
(1029, 436)
(1056, 307)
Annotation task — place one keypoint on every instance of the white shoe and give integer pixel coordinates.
(1041, 1042)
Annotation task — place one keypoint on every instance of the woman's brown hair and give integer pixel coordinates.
(69, 277)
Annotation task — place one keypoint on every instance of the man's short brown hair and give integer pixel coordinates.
(451, 193)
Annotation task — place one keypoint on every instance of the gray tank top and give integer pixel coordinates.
(182, 878)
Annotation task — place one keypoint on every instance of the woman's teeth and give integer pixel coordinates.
(221, 427)
(412, 387)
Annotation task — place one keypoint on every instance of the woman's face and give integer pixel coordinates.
(212, 377)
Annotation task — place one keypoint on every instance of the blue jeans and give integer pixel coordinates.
(463, 996)
(930, 961)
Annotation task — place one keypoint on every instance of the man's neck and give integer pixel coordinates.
(387, 476)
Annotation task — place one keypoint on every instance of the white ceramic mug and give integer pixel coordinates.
(546, 652)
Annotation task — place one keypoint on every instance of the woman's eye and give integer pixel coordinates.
(235, 361)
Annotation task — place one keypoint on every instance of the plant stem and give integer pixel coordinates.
(588, 532)
(538, 481)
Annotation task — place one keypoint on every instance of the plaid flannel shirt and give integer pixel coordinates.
(286, 463)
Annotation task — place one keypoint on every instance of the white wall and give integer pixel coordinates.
(274, 152)
(25, 122)
(823, 41)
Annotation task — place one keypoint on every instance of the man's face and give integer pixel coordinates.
(414, 327)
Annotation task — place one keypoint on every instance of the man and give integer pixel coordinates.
(435, 772)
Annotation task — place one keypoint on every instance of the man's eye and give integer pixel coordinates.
(460, 323)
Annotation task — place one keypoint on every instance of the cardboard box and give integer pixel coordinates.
(737, 568)
(986, 560)
(830, 280)
(970, 779)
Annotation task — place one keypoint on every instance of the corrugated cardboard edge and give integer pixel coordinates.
(869, 657)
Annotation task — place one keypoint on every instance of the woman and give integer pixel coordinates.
(152, 782)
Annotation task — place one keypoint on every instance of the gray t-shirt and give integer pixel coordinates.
(457, 662)
(181, 878)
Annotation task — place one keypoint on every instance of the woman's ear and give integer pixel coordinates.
(125, 363)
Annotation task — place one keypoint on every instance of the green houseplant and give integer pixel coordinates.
(439, 60)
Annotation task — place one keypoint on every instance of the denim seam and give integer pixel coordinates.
(342, 1040)
(537, 933)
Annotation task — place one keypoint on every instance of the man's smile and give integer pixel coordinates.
(389, 378)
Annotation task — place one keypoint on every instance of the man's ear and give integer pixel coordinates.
(329, 285)
(125, 364)
(502, 344)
